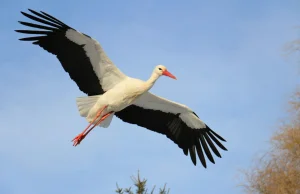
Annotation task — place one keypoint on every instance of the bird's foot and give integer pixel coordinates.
(78, 139)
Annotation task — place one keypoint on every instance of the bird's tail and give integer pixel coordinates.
(85, 103)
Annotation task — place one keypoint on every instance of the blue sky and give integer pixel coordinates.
(228, 58)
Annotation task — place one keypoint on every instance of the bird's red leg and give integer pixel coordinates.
(82, 135)
(102, 119)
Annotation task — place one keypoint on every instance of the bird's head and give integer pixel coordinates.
(162, 70)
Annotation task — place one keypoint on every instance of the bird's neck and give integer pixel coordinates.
(151, 81)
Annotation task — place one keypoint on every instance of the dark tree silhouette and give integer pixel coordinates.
(141, 187)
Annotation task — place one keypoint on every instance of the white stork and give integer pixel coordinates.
(110, 92)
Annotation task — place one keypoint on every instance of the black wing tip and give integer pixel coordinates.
(24, 13)
(34, 11)
(31, 10)
(45, 18)
(193, 155)
(204, 164)
(185, 151)
(205, 140)
(206, 144)
(218, 155)
(217, 135)
(44, 13)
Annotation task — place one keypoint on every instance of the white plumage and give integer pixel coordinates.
(110, 92)
(122, 95)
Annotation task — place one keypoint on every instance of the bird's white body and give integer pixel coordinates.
(127, 98)
(116, 99)
(120, 96)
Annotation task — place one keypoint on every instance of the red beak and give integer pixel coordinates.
(166, 73)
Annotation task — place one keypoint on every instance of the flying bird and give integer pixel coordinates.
(112, 93)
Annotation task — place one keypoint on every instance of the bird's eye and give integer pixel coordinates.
(159, 69)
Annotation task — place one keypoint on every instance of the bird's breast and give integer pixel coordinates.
(121, 97)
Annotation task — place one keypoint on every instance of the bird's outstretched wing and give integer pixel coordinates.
(80, 55)
(178, 122)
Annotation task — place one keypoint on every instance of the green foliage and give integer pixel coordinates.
(141, 187)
